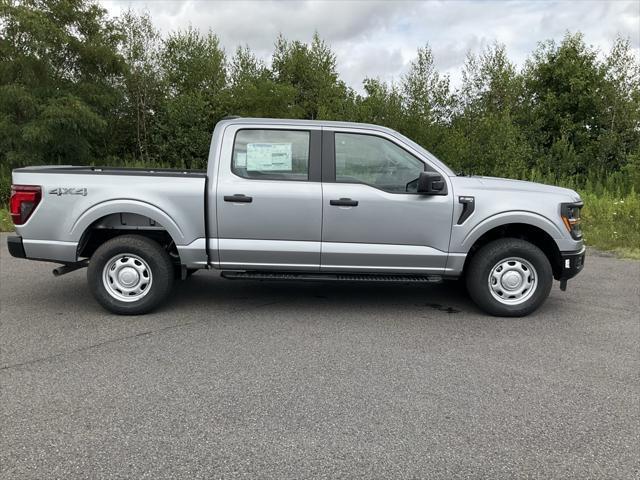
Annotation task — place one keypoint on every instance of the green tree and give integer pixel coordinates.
(490, 82)
(485, 135)
(619, 143)
(60, 72)
(311, 71)
(253, 90)
(144, 94)
(427, 101)
(382, 104)
(193, 70)
(564, 107)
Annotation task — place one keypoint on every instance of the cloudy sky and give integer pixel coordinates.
(379, 38)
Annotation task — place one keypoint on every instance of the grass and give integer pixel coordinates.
(5, 221)
(610, 222)
(622, 252)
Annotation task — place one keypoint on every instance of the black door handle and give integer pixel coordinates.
(238, 198)
(344, 202)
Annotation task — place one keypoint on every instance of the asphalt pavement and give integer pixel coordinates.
(244, 379)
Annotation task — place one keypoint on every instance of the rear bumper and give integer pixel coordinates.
(16, 247)
(43, 250)
(571, 264)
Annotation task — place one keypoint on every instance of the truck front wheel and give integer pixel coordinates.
(509, 277)
(130, 275)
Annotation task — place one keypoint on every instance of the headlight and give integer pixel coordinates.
(570, 213)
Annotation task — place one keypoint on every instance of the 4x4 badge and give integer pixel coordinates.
(68, 191)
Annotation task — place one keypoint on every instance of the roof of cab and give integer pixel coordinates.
(292, 121)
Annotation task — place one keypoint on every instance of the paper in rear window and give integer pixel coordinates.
(268, 157)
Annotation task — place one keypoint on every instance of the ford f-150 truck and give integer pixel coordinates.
(299, 200)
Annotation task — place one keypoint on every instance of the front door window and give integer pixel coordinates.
(375, 161)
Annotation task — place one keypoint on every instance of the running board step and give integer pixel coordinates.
(348, 277)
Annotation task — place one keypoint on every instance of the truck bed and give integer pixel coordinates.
(76, 199)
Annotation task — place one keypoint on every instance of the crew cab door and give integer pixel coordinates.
(269, 198)
(373, 218)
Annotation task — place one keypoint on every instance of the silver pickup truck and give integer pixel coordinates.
(299, 200)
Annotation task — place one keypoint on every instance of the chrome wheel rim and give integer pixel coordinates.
(127, 277)
(513, 281)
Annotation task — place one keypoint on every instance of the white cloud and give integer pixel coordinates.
(379, 39)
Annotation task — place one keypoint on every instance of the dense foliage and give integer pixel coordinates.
(78, 87)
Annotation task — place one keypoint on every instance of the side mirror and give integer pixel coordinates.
(430, 183)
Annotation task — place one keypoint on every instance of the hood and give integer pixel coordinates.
(508, 185)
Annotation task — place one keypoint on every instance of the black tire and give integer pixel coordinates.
(191, 271)
(160, 271)
(488, 256)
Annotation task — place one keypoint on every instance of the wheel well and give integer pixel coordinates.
(116, 224)
(523, 231)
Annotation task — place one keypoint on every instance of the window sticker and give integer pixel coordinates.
(269, 157)
(241, 160)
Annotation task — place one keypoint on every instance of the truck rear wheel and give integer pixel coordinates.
(130, 275)
(509, 277)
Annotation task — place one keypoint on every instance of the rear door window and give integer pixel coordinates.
(271, 154)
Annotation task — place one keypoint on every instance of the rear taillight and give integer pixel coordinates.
(24, 200)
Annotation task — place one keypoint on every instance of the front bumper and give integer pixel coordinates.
(16, 247)
(571, 264)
